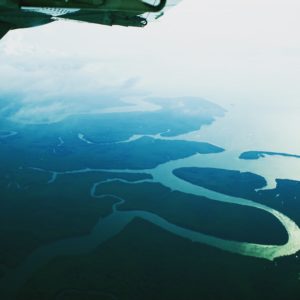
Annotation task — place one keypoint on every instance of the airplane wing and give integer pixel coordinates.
(123, 18)
(134, 13)
(4, 28)
(14, 19)
(155, 16)
(107, 18)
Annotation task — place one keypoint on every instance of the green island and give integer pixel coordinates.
(284, 198)
(260, 154)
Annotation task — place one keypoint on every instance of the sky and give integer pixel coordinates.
(243, 54)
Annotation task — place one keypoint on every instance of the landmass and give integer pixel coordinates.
(146, 262)
(230, 182)
(41, 205)
(140, 154)
(38, 213)
(285, 198)
(227, 221)
(260, 154)
(97, 140)
(33, 212)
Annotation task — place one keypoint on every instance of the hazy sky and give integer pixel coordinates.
(236, 51)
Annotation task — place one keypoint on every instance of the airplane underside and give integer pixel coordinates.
(15, 14)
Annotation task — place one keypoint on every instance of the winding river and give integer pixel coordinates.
(113, 224)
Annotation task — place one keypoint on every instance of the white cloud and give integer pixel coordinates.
(227, 51)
